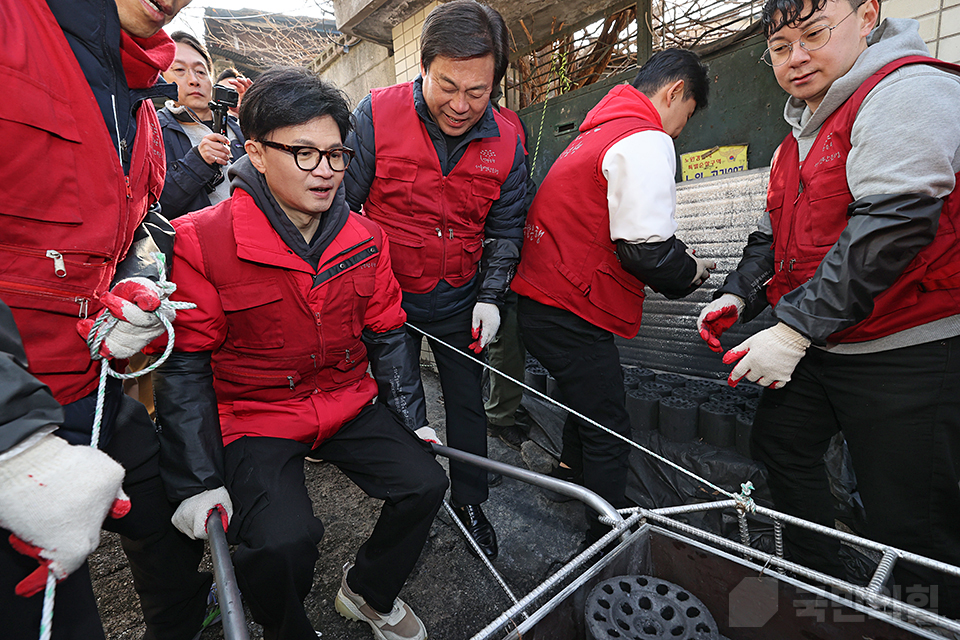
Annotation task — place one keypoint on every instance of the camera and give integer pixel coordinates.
(224, 99)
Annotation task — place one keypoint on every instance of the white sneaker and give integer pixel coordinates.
(400, 624)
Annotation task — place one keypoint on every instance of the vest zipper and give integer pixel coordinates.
(59, 269)
(47, 294)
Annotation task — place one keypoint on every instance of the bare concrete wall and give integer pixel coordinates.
(364, 67)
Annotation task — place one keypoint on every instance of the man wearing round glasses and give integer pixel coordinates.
(857, 253)
(295, 297)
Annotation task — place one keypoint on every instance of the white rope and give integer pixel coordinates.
(744, 501)
(104, 322)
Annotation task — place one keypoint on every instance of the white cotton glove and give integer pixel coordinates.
(427, 434)
(53, 500)
(486, 323)
(191, 516)
(132, 301)
(717, 317)
(767, 358)
(704, 267)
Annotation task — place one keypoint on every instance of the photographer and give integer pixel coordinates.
(197, 154)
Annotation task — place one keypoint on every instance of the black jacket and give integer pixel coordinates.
(503, 230)
(184, 189)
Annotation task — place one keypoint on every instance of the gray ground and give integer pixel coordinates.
(451, 590)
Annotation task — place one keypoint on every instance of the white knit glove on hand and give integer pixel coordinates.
(486, 323)
(428, 435)
(53, 500)
(191, 516)
(767, 358)
(132, 301)
(717, 317)
(704, 267)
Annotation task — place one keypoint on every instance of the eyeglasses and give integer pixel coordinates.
(816, 37)
(308, 158)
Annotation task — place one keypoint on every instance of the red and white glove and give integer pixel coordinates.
(132, 301)
(717, 317)
(191, 516)
(428, 434)
(486, 323)
(767, 358)
(54, 498)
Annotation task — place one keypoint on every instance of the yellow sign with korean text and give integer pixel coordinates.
(713, 162)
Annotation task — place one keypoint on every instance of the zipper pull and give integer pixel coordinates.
(792, 261)
(84, 309)
(439, 232)
(59, 267)
(129, 192)
(451, 234)
(348, 356)
(290, 380)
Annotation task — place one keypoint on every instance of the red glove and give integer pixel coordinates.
(717, 317)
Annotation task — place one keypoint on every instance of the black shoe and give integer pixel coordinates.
(478, 527)
(568, 475)
(511, 435)
(494, 479)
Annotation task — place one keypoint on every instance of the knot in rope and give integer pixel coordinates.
(744, 501)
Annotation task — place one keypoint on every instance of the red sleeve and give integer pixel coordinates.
(203, 328)
(383, 311)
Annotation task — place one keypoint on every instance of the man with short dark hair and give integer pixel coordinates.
(295, 296)
(588, 252)
(81, 235)
(197, 156)
(444, 175)
(857, 253)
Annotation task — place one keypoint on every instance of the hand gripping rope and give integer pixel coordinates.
(98, 332)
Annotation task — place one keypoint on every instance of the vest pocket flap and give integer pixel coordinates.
(37, 108)
(485, 188)
(831, 181)
(249, 295)
(393, 168)
(257, 377)
(616, 295)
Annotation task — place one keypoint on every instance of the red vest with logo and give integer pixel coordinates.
(290, 334)
(435, 222)
(568, 259)
(67, 211)
(808, 211)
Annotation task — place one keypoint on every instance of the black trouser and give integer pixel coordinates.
(585, 362)
(899, 412)
(277, 534)
(163, 561)
(461, 383)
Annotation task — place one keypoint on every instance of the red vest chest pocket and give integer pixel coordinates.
(825, 216)
(394, 178)
(253, 312)
(485, 192)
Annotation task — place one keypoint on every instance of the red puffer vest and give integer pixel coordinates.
(292, 363)
(67, 212)
(805, 227)
(435, 222)
(568, 259)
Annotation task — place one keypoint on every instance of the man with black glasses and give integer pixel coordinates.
(295, 296)
(857, 254)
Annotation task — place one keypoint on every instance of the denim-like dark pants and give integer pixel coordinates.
(585, 362)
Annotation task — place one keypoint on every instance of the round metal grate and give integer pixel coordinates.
(644, 608)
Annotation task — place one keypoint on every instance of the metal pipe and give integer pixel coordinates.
(228, 593)
(582, 494)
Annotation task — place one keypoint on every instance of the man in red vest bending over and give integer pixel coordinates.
(443, 173)
(601, 227)
(857, 253)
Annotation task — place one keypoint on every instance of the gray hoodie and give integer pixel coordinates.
(905, 140)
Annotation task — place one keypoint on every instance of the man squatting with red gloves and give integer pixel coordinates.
(857, 254)
(80, 232)
(295, 296)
